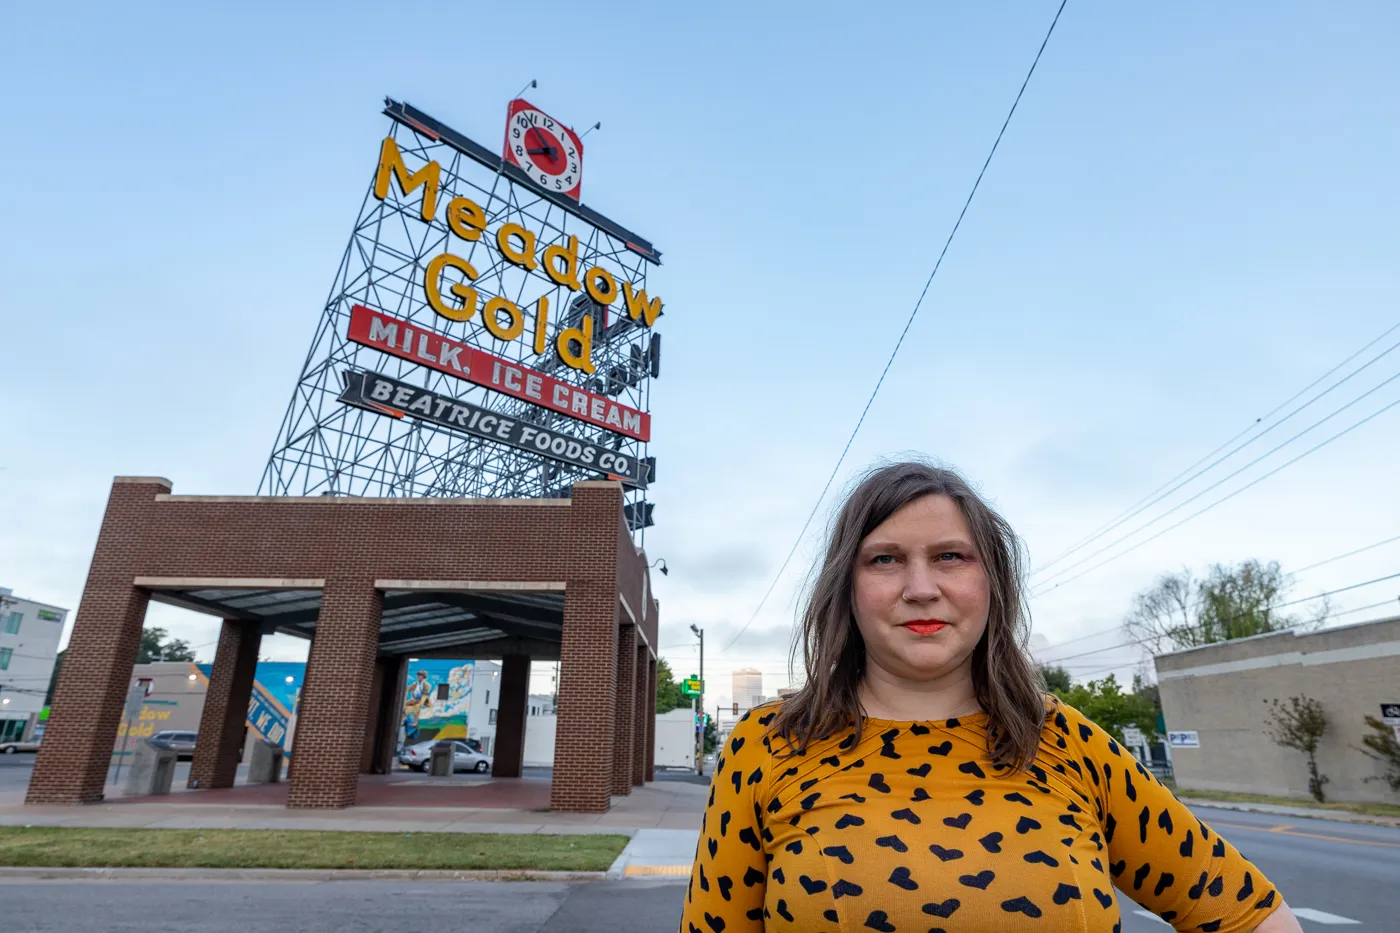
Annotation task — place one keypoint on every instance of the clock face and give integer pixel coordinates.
(543, 148)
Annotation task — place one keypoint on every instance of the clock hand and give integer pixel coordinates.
(544, 150)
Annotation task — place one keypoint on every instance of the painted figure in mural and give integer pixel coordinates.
(418, 698)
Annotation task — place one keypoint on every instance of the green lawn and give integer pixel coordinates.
(235, 848)
(1369, 809)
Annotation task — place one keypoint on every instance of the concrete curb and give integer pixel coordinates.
(17, 874)
(1335, 816)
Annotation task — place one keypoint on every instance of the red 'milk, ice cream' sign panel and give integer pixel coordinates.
(400, 338)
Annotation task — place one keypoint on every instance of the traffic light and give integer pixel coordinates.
(736, 707)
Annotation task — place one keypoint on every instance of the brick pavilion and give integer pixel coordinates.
(371, 583)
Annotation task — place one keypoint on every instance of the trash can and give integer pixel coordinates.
(440, 761)
(152, 770)
(265, 764)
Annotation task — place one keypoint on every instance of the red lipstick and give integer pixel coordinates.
(926, 626)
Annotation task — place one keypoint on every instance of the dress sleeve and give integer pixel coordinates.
(730, 874)
(1159, 853)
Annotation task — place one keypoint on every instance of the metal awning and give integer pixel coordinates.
(413, 621)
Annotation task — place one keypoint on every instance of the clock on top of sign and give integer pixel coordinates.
(543, 148)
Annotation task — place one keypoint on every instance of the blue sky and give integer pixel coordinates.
(1191, 217)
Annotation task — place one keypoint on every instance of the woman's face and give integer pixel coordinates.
(921, 591)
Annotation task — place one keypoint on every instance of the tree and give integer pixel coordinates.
(1105, 703)
(1179, 611)
(1056, 678)
(1385, 749)
(1162, 614)
(154, 647)
(711, 735)
(1300, 724)
(668, 691)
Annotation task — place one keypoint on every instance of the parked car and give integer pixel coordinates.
(182, 743)
(10, 748)
(464, 757)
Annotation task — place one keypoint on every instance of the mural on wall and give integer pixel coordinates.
(276, 689)
(437, 699)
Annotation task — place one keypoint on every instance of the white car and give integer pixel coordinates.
(464, 757)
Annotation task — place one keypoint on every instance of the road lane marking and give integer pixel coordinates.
(1288, 830)
(1321, 916)
(1305, 913)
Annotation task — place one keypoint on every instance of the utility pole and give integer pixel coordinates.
(700, 705)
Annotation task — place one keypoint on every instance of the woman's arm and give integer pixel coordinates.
(730, 875)
(1280, 921)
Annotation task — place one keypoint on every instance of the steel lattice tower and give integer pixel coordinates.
(325, 447)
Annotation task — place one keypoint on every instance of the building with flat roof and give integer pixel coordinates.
(1215, 700)
(29, 634)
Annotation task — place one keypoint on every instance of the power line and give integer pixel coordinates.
(1359, 550)
(1334, 615)
(1149, 500)
(907, 324)
(1225, 498)
(1199, 627)
(1197, 603)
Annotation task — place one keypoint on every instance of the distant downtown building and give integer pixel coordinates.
(29, 633)
(747, 687)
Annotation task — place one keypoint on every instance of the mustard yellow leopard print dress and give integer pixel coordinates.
(915, 830)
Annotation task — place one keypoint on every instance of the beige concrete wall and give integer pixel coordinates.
(175, 702)
(1222, 691)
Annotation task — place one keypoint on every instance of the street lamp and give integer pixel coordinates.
(700, 703)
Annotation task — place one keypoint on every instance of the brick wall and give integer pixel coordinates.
(87, 706)
(348, 543)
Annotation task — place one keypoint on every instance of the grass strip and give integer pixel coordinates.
(1367, 809)
(72, 847)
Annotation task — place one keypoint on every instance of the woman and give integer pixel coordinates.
(922, 780)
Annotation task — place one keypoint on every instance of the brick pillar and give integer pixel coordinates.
(390, 713)
(651, 721)
(625, 705)
(512, 709)
(372, 717)
(87, 707)
(639, 715)
(226, 706)
(339, 673)
(583, 742)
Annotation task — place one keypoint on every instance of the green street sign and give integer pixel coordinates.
(692, 687)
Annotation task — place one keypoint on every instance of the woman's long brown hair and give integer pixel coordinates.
(1009, 688)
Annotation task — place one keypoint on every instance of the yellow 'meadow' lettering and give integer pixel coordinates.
(639, 306)
(432, 284)
(428, 177)
(466, 218)
(602, 287)
(525, 255)
(568, 276)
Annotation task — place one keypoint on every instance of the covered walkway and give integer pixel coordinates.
(371, 583)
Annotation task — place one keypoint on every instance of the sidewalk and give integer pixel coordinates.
(660, 805)
(1309, 813)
